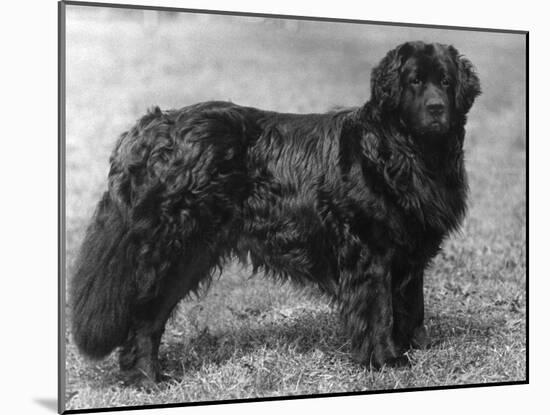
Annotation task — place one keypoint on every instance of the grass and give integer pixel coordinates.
(251, 337)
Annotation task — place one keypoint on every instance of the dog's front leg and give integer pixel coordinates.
(408, 310)
(365, 296)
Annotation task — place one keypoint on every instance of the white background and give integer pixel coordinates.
(28, 203)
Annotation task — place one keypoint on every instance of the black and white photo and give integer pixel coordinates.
(267, 206)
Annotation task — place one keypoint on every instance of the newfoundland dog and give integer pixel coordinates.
(356, 201)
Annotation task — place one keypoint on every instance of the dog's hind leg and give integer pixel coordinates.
(139, 355)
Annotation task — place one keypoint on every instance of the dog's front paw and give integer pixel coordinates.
(420, 338)
(381, 354)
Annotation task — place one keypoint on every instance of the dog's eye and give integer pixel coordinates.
(445, 82)
(415, 81)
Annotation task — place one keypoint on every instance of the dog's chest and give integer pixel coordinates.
(406, 207)
(429, 210)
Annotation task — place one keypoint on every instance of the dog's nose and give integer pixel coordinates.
(435, 107)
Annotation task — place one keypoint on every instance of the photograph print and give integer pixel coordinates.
(264, 206)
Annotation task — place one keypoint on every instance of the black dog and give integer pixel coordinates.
(356, 201)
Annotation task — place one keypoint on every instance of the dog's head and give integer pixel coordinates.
(429, 87)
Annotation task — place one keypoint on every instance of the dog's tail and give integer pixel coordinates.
(102, 287)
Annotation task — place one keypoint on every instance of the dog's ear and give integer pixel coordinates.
(385, 78)
(467, 82)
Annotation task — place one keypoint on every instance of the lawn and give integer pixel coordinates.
(250, 337)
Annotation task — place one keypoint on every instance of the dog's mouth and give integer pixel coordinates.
(433, 132)
(435, 124)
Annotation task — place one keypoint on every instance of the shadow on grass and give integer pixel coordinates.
(307, 334)
(303, 335)
(447, 328)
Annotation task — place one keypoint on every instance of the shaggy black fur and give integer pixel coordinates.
(356, 201)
